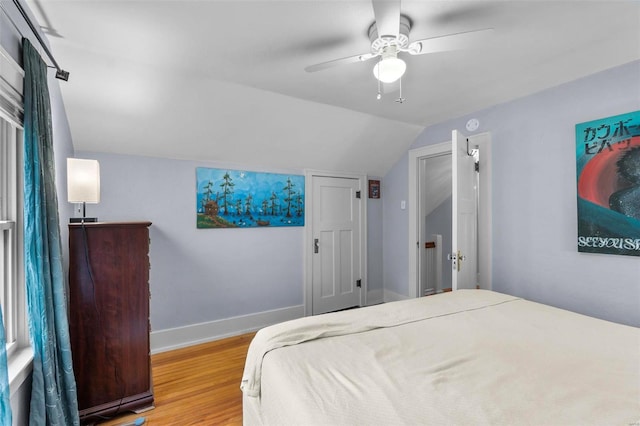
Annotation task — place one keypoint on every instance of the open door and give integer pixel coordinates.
(464, 256)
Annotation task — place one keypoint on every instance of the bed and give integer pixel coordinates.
(468, 357)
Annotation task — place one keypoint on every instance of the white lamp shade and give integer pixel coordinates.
(83, 181)
(389, 69)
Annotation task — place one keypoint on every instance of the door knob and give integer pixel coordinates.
(454, 260)
(457, 259)
(461, 258)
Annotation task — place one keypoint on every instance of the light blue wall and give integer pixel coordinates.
(374, 251)
(202, 275)
(395, 233)
(9, 35)
(198, 275)
(534, 199)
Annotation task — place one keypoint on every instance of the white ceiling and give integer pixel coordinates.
(225, 80)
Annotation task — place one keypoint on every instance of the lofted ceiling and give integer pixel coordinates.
(225, 80)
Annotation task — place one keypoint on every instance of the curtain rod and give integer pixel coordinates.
(60, 73)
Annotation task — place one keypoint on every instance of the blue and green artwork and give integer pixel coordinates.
(608, 178)
(241, 199)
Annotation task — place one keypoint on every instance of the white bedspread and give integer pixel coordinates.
(467, 357)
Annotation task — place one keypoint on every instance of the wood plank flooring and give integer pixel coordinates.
(198, 385)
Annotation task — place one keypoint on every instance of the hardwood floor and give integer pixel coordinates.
(198, 385)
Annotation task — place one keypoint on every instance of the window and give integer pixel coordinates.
(12, 287)
(11, 281)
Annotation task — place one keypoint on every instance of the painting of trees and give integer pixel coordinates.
(274, 203)
(247, 205)
(208, 191)
(248, 199)
(289, 195)
(227, 190)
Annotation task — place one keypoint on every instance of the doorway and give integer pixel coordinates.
(431, 185)
(435, 209)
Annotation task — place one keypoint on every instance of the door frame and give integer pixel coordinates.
(308, 234)
(483, 142)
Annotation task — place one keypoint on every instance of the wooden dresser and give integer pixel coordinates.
(109, 317)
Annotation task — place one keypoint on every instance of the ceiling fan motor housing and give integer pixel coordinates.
(380, 42)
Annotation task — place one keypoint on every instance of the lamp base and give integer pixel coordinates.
(82, 219)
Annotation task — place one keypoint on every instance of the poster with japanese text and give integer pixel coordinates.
(608, 185)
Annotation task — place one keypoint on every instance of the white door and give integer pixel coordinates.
(464, 258)
(336, 233)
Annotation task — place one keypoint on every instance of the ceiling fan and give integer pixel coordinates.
(389, 36)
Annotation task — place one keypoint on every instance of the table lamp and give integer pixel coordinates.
(83, 185)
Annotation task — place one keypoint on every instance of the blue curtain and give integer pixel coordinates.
(53, 397)
(5, 403)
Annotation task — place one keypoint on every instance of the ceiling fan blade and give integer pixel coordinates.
(387, 15)
(456, 41)
(342, 61)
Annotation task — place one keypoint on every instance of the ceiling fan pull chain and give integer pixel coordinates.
(400, 99)
(379, 92)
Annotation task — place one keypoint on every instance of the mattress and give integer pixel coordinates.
(466, 357)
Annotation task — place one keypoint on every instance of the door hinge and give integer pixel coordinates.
(358, 283)
(357, 194)
(477, 167)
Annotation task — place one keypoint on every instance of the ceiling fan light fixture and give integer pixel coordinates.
(389, 69)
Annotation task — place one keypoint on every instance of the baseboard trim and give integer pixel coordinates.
(375, 297)
(392, 296)
(180, 337)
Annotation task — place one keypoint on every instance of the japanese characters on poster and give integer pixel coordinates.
(608, 185)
